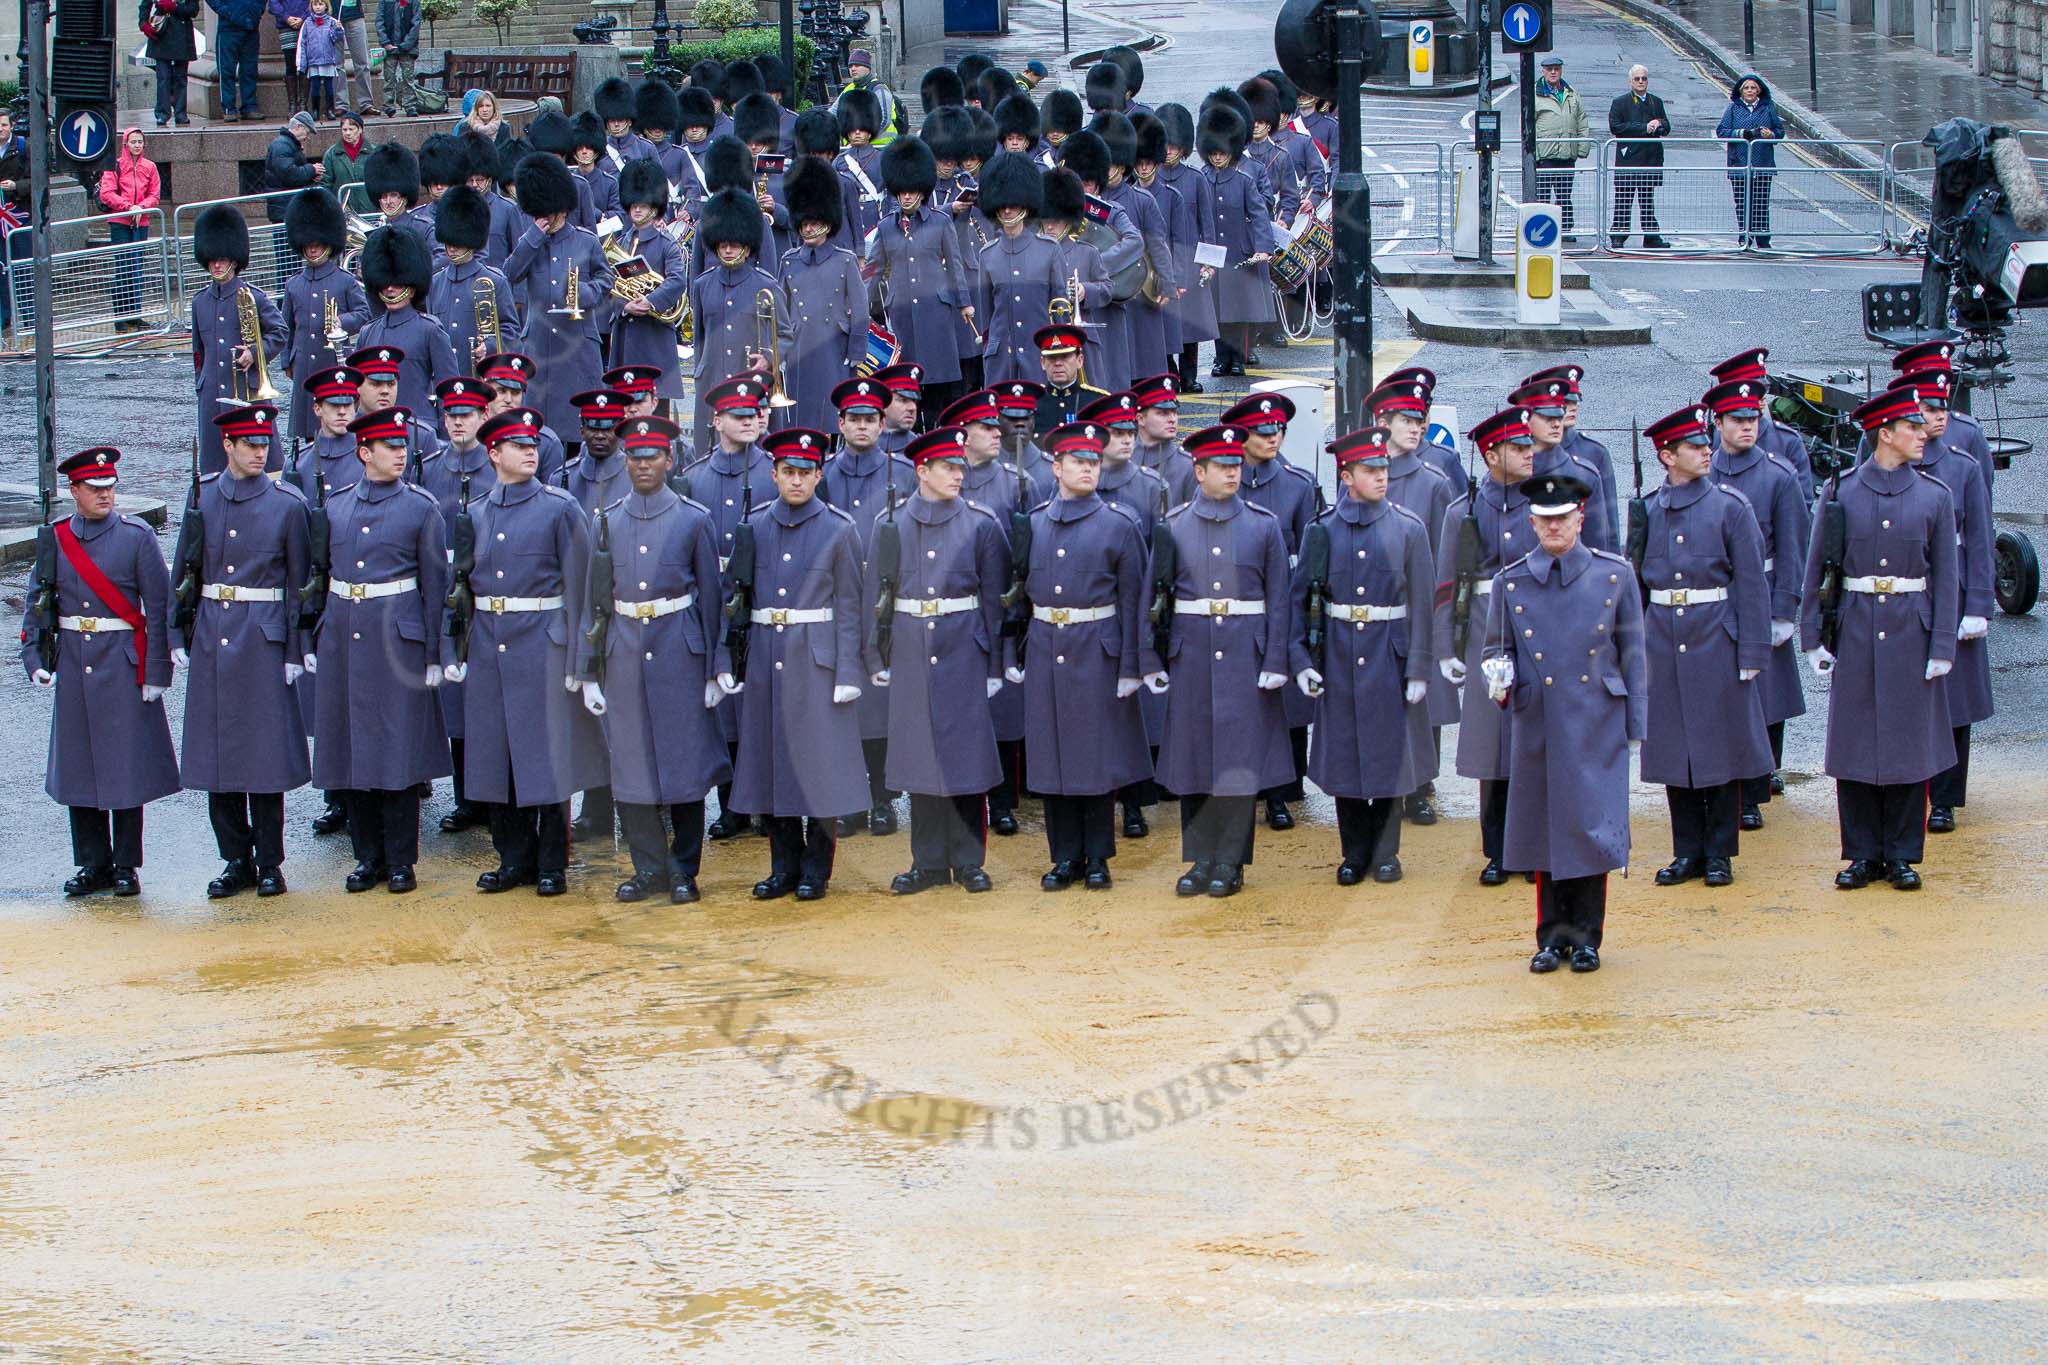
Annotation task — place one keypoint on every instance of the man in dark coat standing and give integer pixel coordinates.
(285, 166)
(945, 666)
(1639, 165)
(1577, 717)
(172, 49)
(110, 743)
(244, 743)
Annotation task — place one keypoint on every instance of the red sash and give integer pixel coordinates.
(97, 582)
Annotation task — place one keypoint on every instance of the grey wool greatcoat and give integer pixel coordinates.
(1244, 293)
(1018, 277)
(665, 745)
(1504, 537)
(994, 486)
(1369, 744)
(453, 299)
(859, 485)
(1886, 723)
(304, 311)
(429, 357)
(862, 168)
(1144, 323)
(942, 741)
(217, 385)
(1197, 308)
(1172, 464)
(972, 231)
(1706, 725)
(800, 750)
(1289, 493)
(727, 483)
(1574, 709)
(1559, 459)
(1178, 215)
(596, 483)
(1969, 686)
(564, 349)
(523, 731)
(1079, 738)
(1225, 736)
(1785, 519)
(647, 340)
(110, 749)
(441, 475)
(828, 305)
(242, 725)
(924, 284)
(1141, 492)
(723, 301)
(334, 462)
(1416, 484)
(378, 725)
(1594, 455)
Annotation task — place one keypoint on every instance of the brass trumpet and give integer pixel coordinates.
(335, 336)
(768, 343)
(572, 297)
(252, 337)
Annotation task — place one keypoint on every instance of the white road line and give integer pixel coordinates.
(1902, 1294)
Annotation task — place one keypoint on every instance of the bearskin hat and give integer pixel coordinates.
(729, 216)
(695, 108)
(586, 130)
(551, 131)
(641, 181)
(543, 186)
(511, 152)
(941, 85)
(1131, 64)
(1018, 115)
(907, 165)
(707, 75)
(758, 118)
(1263, 99)
(314, 217)
(1222, 130)
(728, 165)
(443, 160)
(1105, 86)
(816, 133)
(392, 169)
(983, 143)
(1178, 125)
(741, 79)
(462, 218)
(613, 100)
(395, 256)
(1118, 136)
(1151, 140)
(479, 156)
(774, 76)
(654, 106)
(221, 234)
(1086, 155)
(859, 109)
(1290, 93)
(1065, 197)
(1223, 94)
(1063, 112)
(949, 131)
(1011, 180)
(995, 85)
(970, 67)
(811, 190)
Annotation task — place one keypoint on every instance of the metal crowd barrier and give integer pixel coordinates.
(271, 261)
(1909, 183)
(1800, 206)
(99, 286)
(1411, 195)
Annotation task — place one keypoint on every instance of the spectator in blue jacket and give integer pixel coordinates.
(398, 29)
(235, 55)
(1752, 129)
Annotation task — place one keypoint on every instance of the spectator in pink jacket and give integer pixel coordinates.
(128, 189)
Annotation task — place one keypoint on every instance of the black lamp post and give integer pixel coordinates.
(659, 64)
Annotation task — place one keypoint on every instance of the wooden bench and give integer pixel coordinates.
(512, 77)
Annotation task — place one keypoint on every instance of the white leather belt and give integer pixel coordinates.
(92, 625)
(499, 606)
(228, 592)
(1483, 586)
(1884, 585)
(649, 610)
(1343, 611)
(1686, 597)
(786, 616)
(1217, 606)
(357, 592)
(936, 606)
(1071, 616)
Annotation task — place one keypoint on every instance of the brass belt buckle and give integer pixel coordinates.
(358, 591)
(88, 625)
(643, 611)
(226, 591)
(1219, 606)
(1678, 596)
(1881, 584)
(1060, 616)
(778, 616)
(495, 604)
(928, 607)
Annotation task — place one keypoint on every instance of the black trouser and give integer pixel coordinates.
(170, 91)
(384, 827)
(1706, 822)
(1005, 795)
(106, 838)
(1554, 186)
(455, 757)
(644, 838)
(1752, 191)
(801, 847)
(1369, 831)
(934, 399)
(1882, 823)
(1217, 829)
(876, 752)
(1571, 912)
(970, 373)
(1080, 828)
(732, 753)
(1952, 787)
(127, 268)
(534, 838)
(1493, 819)
(248, 826)
(1190, 357)
(1143, 792)
(1756, 791)
(948, 831)
(1297, 740)
(1635, 192)
(597, 808)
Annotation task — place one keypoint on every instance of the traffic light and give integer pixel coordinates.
(83, 64)
(1525, 26)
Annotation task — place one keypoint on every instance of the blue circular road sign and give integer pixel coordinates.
(1540, 231)
(1521, 21)
(1441, 435)
(1421, 33)
(83, 135)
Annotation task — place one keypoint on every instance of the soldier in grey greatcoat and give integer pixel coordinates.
(868, 485)
(1017, 412)
(597, 476)
(1229, 657)
(918, 268)
(654, 683)
(459, 475)
(378, 732)
(860, 123)
(1443, 458)
(527, 744)
(1963, 432)
(949, 131)
(110, 662)
(1145, 322)
(1894, 644)
(1177, 220)
(1499, 523)
(1114, 237)
(799, 765)
(1372, 743)
(484, 177)
(244, 743)
(510, 375)
(1105, 358)
(946, 664)
(757, 124)
(1584, 448)
(1707, 636)
(398, 274)
(391, 182)
(728, 165)
(1244, 227)
(1019, 271)
(1195, 310)
(905, 383)
(1158, 447)
(1084, 738)
(564, 347)
(1576, 717)
(637, 337)
(466, 285)
(1544, 400)
(828, 300)
(1781, 443)
(316, 228)
(730, 303)
(224, 372)
(321, 467)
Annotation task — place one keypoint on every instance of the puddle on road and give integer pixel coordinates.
(258, 970)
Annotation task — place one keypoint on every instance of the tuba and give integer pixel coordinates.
(359, 230)
(769, 344)
(626, 288)
(252, 337)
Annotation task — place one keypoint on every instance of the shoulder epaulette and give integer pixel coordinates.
(1400, 509)
(1599, 553)
(838, 512)
(1250, 506)
(209, 478)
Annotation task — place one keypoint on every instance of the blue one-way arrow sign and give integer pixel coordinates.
(83, 135)
(1521, 22)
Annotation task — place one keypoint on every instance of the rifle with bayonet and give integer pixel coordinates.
(1016, 602)
(739, 571)
(190, 561)
(1834, 545)
(1315, 569)
(41, 616)
(888, 569)
(1165, 568)
(461, 596)
(1467, 556)
(319, 559)
(602, 583)
(1638, 514)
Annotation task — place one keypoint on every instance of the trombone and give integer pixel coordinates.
(252, 337)
(485, 297)
(768, 343)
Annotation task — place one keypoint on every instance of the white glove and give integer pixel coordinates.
(43, 677)
(312, 662)
(151, 694)
(452, 673)
(1310, 682)
(1822, 661)
(729, 685)
(1126, 688)
(995, 685)
(1453, 671)
(1270, 681)
(1781, 631)
(1500, 676)
(593, 698)
(1635, 748)
(181, 658)
(1938, 668)
(292, 673)
(1415, 691)
(1745, 674)
(842, 694)
(880, 679)
(1015, 675)
(434, 675)
(713, 694)
(1157, 683)
(1972, 628)
(569, 684)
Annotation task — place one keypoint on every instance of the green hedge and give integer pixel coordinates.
(748, 42)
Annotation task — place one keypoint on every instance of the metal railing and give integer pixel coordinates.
(101, 290)
(271, 261)
(1802, 205)
(1411, 196)
(1909, 184)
